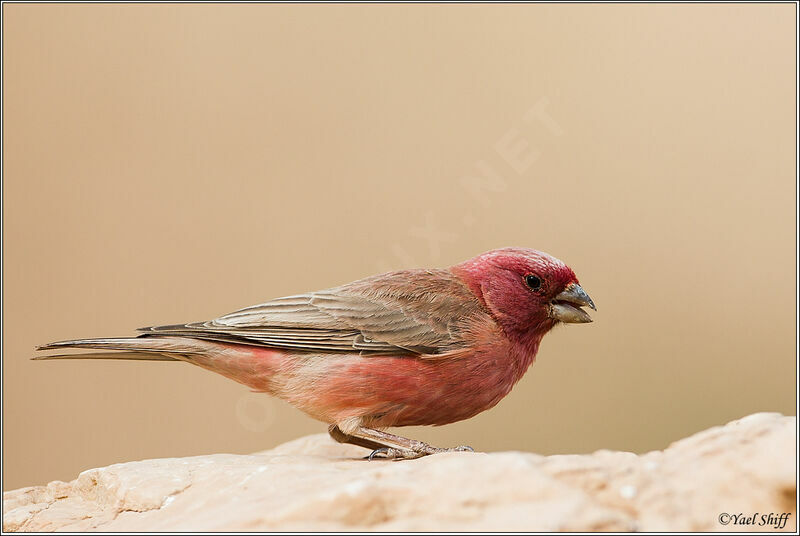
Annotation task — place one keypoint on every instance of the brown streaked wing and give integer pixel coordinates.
(411, 312)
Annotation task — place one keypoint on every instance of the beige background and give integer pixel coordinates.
(173, 163)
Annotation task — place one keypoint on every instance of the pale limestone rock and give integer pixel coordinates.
(746, 466)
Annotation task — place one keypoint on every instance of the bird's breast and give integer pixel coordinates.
(403, 391)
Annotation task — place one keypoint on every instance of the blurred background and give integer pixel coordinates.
(171, 163)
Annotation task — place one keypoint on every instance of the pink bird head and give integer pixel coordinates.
(527, 291)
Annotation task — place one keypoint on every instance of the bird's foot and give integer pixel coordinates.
(390, 453)
(460, 448)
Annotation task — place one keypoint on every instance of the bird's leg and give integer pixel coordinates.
(340, 437)
(389, 445)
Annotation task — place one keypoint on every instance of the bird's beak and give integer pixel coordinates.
(566, 306)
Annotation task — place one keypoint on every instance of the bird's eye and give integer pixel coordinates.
(533, 282)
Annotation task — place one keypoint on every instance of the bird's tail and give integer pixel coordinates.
(135, 356)
(248, 365)
(136, 348)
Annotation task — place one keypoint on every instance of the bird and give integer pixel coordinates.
(403, 348)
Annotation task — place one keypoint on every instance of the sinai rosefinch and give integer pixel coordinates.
(414, 347)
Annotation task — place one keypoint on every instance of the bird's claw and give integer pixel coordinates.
(375, 452)
(389, 453)
(461, 448)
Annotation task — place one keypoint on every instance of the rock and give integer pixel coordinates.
(745, 467)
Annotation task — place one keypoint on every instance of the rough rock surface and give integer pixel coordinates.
(745, 467)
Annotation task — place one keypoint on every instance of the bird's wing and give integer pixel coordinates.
(407, 312)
